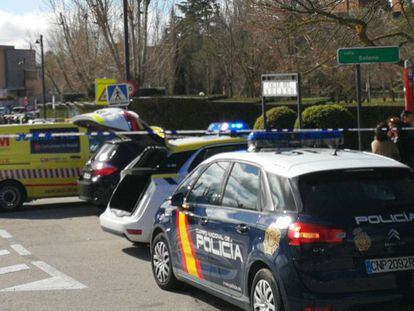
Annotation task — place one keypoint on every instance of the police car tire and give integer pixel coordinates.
(14, 189)
(171, 281)
(266, 276)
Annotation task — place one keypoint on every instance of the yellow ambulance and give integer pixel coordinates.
(35, 164)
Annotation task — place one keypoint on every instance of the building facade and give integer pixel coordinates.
(19, 74)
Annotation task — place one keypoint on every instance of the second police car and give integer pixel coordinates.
(304, 229)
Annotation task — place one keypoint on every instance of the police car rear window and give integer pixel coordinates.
(352, 192)
(281, 192)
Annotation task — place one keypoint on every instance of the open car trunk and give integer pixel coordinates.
(117, 119)
(136, 180)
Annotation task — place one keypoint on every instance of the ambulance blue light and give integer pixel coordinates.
(285, 139)
(227, 126)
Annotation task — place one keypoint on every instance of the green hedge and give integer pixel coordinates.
(326, 116)
(277, 118)
(198, 113)
(187, 113)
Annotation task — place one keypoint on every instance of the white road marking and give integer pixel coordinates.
(14, 268)
(58, 281)
(5, 235)
(20, 250)
(4, 252)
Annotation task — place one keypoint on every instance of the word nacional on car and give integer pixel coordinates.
(302, 229)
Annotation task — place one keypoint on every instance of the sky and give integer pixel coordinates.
(22, 21)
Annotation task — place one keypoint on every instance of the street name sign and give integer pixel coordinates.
(369, 55)
(279, 88)
(281, 85)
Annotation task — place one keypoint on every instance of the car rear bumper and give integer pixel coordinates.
(97, 192)
(126, 226)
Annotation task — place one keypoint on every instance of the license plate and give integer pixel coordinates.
(382, 265)
(86, 175)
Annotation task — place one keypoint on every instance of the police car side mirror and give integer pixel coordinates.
(177, 199)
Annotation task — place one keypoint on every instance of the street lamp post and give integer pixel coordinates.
(43, 75)
(126, 41)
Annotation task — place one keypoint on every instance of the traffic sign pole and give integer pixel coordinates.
(264, 113)
(359, 102)
(299, 101)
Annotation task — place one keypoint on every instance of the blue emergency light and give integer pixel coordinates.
(290, 139)
(227, 126)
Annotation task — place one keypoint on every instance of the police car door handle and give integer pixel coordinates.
(75, 157)
(203, 221)
(242, 228)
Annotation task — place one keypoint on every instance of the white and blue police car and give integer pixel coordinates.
(302, 229)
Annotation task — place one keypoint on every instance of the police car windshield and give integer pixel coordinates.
(351, 192)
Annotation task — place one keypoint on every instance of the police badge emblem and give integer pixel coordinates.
(362, 240)
(272, 239)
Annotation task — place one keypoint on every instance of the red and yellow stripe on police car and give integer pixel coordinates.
(191, 264)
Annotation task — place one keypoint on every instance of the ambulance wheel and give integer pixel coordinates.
(264, 295)
(161, 264)
(12, 195)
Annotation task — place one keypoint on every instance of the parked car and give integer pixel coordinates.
(101, 173)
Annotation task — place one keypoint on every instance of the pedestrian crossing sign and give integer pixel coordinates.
(118, 94)
(100, 90)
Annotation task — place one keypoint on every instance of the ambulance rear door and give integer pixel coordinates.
(58, 161)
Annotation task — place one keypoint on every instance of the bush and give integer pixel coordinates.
(277, 118)
(326, 116)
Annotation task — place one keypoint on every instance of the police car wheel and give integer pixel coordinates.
(161, 264)
(11, 196)
(264, 294)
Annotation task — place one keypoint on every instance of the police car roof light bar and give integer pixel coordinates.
(294, 139)
(227, 126)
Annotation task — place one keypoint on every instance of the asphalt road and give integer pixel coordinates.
(54, 256)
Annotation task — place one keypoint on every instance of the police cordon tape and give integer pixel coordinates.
(51, 135)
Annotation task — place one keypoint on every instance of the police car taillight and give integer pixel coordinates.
(303, 233)
(227, 126)
(288, 139)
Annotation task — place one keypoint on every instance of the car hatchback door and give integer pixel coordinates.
(362, 233)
